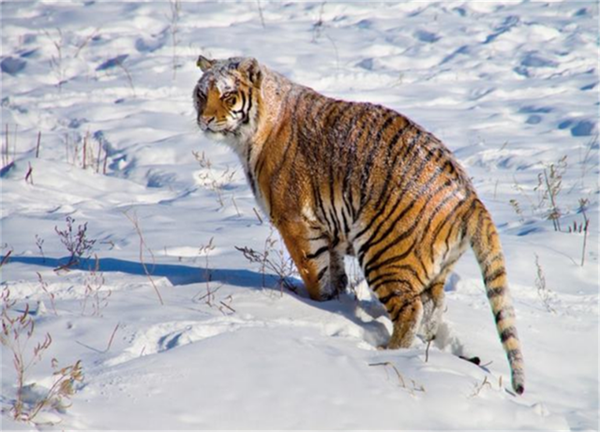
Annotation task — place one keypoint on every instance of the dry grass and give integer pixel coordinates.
(546, 296)
(76, 242)
(412, 388)
(17, 336)
(273, 259)
(144, 248)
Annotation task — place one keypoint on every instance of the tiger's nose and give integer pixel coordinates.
(204, 122)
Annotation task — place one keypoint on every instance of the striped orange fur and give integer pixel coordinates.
(344, 178)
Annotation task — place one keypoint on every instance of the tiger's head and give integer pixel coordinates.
(225, 97)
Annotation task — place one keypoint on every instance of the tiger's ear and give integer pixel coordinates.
(204, 64)
(251, 69)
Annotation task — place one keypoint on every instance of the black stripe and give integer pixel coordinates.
(374, 149)
(366, 131)
(376, 279)
(411, 147)
(454, 226)
(467, 218)
(352, 151)
(379, 280)
(336, 224)
(371, 242)
(495, 292)
(318, 252)
(489, 262)
(322, 273)
(386, 299)
(321, 214)
(508, 333)
(384, 195)
(391, 260)
(490, 278)
(401, 309)
(333, 144)
(453, 214)
(503, 314)
(405, 235)
(247, 112)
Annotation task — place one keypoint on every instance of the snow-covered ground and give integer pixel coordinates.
(511, 88)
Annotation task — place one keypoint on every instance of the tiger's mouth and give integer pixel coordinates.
(215, 128)
(217, 133)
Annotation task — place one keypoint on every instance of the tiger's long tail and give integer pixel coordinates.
(488, 251)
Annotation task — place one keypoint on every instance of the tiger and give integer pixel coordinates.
(341, 178)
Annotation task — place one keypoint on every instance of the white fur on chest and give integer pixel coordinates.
(241, 144)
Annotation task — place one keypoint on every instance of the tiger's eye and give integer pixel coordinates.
(231, 100)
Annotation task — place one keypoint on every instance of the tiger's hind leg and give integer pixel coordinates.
(433, 296)
(400, 294)
(433, 307)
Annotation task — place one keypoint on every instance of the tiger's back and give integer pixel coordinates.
(340, 177)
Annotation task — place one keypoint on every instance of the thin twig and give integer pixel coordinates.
(5, 258)
(427, 350)
(99, 154)
(129, 78)
(112, 336)
(85, 152)
(37, 147)
(395, 370)
(257, 215)
(227, 306)
(105, 162)
(29, 175)
(260, 14)
(86, 41)
(134, 220)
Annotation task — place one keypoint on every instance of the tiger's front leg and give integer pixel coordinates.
(321, 268)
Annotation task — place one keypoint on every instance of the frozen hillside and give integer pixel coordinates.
(163, 324)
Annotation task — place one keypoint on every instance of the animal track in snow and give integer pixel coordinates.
(166, 336)
(169, 335)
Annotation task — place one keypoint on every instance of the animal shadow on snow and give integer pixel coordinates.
(374, 331)
(175, 273)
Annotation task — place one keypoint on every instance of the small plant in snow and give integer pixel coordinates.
(60, 392)
(274, 259)
(586, 158)
(120, 64)
(517, 208)
(18, 328)
(550, 186)
(582, 227)
(206, 250)
(76, 243)
(138, 229)
(95, 296)
(56, 61)
(7, 159)
(317, 28)
(209, 297)
(544, 293)
(39, 242)
(412, 388)
(480, 386)
(260, 14)
(50, 295)
(209, 179)
(64, 51)
(175, 6)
